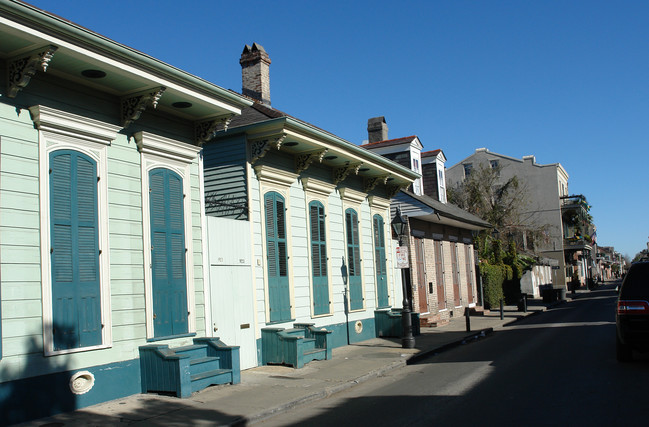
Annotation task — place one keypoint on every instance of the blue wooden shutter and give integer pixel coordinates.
(277, 258)
(319, 258)
(354, 261)
(74, 235)
(379, 258)
(169, 284)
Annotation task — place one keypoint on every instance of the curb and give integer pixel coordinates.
(329, 391)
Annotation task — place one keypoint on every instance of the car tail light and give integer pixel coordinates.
(632, 307)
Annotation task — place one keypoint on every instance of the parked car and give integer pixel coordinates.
(632, 315)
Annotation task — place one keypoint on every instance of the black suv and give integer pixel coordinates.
(632, 318)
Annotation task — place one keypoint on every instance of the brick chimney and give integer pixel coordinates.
(255, 73)
(377, 129)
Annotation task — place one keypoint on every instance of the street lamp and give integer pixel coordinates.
(407, 340)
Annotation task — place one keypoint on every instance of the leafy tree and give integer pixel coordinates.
(643, 254)
(502, 204)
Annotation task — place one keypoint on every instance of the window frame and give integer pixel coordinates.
(160, 152)
(59, 130)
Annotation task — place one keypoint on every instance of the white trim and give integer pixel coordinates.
(315, 186)
(175, 157)
(378, 203)
(54, 135)
(278, 177)
(49, 120)
(160, 146)
(349, 195)
(207, 283)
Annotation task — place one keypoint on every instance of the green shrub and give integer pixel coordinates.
(492, 283)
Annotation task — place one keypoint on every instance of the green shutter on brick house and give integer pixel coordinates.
(74, 235)
(279, 299)
(354, 260)
(319, 258)
(169, 284)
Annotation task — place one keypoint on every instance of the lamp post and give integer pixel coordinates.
(407, 340)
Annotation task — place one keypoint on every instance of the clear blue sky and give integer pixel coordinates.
(566, 81)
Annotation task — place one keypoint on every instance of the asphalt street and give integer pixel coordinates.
(556, 368)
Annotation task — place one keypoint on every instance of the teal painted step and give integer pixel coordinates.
(184, 370)
(388, 323)
(295, 346)
(204, 379)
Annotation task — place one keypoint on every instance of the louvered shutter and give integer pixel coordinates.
(76, 303)
(354, 260)
(319, 258)
(169, 285)
(379, 262)
(277, 257)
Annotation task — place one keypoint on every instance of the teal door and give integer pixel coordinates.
(74, 236)
(279, 299)
(169, 284)
(354, 261)
(319, 259)
(379, 261)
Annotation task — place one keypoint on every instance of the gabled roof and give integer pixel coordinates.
(432, 155)
(390, 142)
(442, 213)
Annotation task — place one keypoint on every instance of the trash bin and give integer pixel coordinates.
(548, 294)
(561, 295)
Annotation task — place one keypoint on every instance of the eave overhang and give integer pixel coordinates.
(417, 207)
(298, 138)
(24, 28)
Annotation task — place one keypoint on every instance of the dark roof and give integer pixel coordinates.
(449, 210)
(431, 153)
(389, 142)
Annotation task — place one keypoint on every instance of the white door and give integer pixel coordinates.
(231, 286)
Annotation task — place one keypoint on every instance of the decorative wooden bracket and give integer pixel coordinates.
(259, 147)
(205, 130)
(20, 70)
(370, 183)
(134, 105)
(341, 173)
(304, 160)
(393, 189)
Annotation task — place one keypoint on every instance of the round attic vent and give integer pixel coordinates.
(81, 382)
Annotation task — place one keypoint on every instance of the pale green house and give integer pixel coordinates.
(101, 211)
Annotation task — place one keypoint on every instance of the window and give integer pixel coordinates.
(168, 271)
(467, 169)
(276, 253)
(379, 260)
(319, 259)
(74, 249)
(353, 260)
(74, 234)
(167, 221)
(493, 164)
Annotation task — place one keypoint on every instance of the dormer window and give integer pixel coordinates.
(493, 164)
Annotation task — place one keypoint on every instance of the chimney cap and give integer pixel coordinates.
(255, 48)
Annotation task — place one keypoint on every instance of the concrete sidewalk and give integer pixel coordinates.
(268, 390)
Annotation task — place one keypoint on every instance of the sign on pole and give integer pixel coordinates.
(402, 257)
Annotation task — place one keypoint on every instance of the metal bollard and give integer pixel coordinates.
(524, 303)
(467, 315)
(502, 309)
